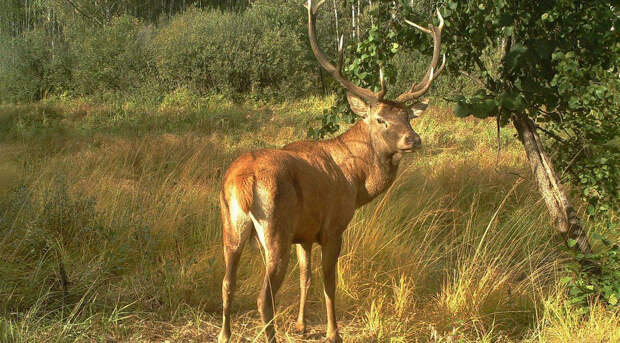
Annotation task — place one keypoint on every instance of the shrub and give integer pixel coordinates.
(32, 65)
(594, 277)
(260, 51)
(114, 57)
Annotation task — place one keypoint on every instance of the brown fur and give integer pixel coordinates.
(244, 190)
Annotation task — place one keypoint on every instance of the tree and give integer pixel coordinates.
(548, 66)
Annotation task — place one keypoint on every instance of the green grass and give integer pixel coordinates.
(111, 231)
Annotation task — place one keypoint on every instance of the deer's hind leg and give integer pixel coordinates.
(274, 221)
(276, 245)
(304, 256)
(237, 227)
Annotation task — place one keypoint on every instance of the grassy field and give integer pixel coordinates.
(110, 231)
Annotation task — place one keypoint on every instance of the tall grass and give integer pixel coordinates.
(110, 230)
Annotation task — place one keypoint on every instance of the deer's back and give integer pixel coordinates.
(300, 181)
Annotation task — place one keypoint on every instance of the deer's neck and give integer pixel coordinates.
(369, 169)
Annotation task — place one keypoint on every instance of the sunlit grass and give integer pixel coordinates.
(110, 229)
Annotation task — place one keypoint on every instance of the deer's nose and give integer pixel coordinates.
(413, 140)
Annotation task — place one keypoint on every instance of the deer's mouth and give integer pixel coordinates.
(411, 149)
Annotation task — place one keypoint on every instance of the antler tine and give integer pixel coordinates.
(418, 89)
(441, 22)
(436, 34)
(417, 26)
(315, 8)
(383, 90)
(336, 72)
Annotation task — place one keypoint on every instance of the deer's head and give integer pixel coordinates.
(388, 120)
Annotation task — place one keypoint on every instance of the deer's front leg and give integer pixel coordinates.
(329, 258)
(304, 255)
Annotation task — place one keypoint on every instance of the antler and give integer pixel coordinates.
(336, 72)
(417, 90)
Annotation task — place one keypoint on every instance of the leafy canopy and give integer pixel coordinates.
(557, 62)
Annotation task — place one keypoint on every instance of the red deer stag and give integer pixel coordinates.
(307, 192)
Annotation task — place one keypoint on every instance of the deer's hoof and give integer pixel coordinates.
(300, 327)
(223, 337)
(334, 338)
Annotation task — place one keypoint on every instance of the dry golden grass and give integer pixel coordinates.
(123, 200)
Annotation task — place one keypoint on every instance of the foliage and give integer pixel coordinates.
(589, 148)
(556, 61)
(18, 16)
(586, 284)
(87, 60)
(31, 67)
(260, 51)
(113, 57)
(117, 49)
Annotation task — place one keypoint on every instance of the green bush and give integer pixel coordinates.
(31, 66)
(594, 277)
(262, 51)
(114, 57)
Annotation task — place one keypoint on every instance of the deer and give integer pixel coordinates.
(307, 191)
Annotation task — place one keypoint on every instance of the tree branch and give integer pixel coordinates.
(492, 86)
(475, 79)
(551, 134)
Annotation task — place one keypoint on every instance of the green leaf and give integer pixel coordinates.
(485, 108)
(515, 58)
(462, 109)
(572, 242)
(565, 280)
(573, 102)
(512, 101)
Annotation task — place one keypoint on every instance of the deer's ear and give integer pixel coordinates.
(417, 108)
(358, 106)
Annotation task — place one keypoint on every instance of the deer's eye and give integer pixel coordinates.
(380, 121)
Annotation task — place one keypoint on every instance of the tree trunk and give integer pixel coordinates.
(564, 217)
(353, 20)
(337, 31)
